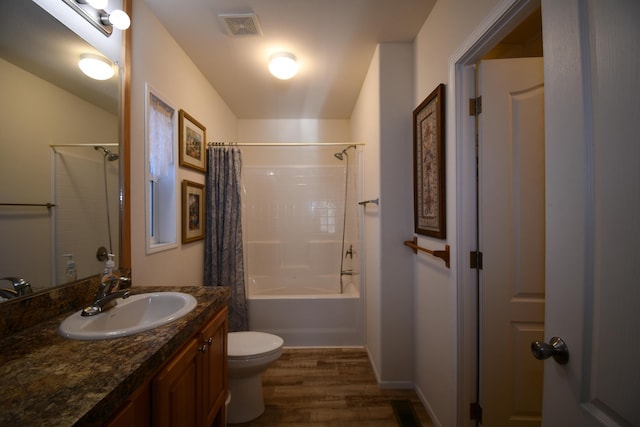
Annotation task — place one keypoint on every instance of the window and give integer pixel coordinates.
(160, 173)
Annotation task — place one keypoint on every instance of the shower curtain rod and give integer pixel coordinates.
(282, 144)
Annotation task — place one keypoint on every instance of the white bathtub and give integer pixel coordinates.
(309, 312)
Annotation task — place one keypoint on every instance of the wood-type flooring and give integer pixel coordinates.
(331, 387)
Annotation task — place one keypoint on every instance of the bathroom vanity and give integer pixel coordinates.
(48, 380)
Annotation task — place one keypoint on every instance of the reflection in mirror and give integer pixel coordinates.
(59, 145)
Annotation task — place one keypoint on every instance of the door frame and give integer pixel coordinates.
(504, 18)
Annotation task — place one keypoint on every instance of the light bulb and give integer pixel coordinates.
(117, 18)
(96, 67)
(283, 65)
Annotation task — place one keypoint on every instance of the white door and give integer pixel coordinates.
(592, 81)
(512, 230)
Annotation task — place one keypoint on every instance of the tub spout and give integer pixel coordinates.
(348, 273)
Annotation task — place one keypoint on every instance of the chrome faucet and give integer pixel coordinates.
(20, 286)
(6, 293)
(106, 296)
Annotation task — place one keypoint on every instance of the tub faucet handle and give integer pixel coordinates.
(349, 252)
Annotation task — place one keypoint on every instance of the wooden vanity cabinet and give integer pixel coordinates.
(214, 374)
(190, 389)
(176, 390)
(135, 411)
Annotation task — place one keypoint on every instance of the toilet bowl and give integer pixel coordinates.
(249, 355)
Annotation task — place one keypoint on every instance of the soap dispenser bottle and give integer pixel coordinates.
(109, 280)
(70, 273)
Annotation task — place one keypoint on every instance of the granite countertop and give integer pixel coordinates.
(48, 380)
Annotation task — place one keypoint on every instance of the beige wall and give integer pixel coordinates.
(160, 62)
(382, 119)
(365, 128)
(396, 192)
(449, 25)
(293, 131)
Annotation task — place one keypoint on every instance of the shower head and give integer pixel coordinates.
(107, 154)
(340, 155)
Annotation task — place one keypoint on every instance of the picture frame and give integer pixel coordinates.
(192, 142)
(429, 165)
(193, 199)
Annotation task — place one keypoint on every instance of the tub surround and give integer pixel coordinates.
(302, 320)
(48, 380)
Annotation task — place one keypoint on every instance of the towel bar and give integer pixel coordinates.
(44, 205)
(366, 202)
(443, 255)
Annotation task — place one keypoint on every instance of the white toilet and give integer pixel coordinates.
(249, 355)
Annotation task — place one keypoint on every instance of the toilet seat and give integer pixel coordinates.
(251, 344)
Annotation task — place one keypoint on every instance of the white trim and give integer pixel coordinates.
(500, 22)
(152, 246)
(397, 385)
(504, 18)
(389, 385)
(434, 419)
(466, 297)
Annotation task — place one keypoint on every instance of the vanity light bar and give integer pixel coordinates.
(99, 18)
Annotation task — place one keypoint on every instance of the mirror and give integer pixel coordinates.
(60, 152)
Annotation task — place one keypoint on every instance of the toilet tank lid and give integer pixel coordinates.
(251, 343)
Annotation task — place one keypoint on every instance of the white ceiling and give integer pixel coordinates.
(334, 41)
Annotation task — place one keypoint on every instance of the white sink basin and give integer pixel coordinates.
(132, 315)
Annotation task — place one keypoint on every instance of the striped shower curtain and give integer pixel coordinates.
(223, 259)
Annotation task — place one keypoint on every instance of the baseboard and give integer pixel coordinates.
(396, 385)
(388, 384)
(432, 415)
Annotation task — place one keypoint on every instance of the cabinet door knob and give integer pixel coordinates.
(209, 341)
(202, 348)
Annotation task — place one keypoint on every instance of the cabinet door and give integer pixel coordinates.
(214, 336)
(176, 390)
(135, 411)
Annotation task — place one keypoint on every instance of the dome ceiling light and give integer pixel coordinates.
(283, 65)
(96, 67)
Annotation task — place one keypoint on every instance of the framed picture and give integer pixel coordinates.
(429, 167)
(192, 137)
(192, 211)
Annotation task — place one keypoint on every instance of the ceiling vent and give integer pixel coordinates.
(241, 25)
